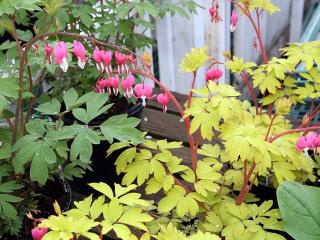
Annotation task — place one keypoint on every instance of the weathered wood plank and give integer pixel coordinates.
(162, 125)
(184, 153)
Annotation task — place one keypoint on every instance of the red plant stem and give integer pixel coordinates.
(250, 88)
(293, 131)
(270, 125)
(178, 182)
(244, 169)
(258, 33)
(249, 187)
(243, 191)
(256, 28)
(192, 87)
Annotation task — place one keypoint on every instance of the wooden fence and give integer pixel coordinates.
(176, 35)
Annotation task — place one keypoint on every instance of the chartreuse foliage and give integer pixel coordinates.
(265, 5)
(299, 208)
(117, 211)
(200, 203)
(114, 211)
(209, 205)
(277, 76)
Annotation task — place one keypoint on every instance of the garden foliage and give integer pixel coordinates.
(234, 144)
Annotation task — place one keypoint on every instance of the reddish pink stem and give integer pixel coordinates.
(192, 87)
(193, 150)
(293, 131)
(250, 88)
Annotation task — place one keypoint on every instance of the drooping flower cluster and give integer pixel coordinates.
(103, 60)
(109, 82)
(311, 141)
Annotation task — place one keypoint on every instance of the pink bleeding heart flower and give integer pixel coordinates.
(131, 59)
(233, 20)
(163, 99)
(143, 91)
(317, 142)
(80, 52)
(121, 60)
(311, 139)
(214, 74)
(99, 86)
(301, 143)
(97, 57)
(48, 51)
(38, 233)
(102, 84)
(107, 84)
(115, 84)
(214, 13)
(127, 85)
(106, 57)
(61, 55)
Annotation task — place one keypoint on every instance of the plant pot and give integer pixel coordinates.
(54, 190)
(103, 168)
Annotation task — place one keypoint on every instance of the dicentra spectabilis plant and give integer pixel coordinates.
(211, 199)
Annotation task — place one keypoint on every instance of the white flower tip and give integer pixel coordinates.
(232, 28)
(81, 64)
(144, 103)
(64, 65)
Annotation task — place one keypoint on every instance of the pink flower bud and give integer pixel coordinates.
(61, 55)
(38, 233)
(214, 74)
(97, 57)
(233, 20)
(48, 51)
(143, 91)
(80, 52)
(163, 99)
